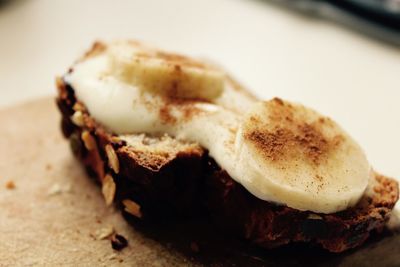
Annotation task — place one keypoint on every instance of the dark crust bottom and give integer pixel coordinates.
(192, 182)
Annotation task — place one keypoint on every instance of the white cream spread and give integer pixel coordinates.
(220, 124)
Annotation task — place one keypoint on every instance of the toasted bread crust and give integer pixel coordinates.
(184, 181)
(270, 225)
(162, 186)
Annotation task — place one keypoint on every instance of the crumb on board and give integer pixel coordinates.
(48, 167)
(56, 189)
(104, 232)
(113, 256)
(10, 185)
(118, 242)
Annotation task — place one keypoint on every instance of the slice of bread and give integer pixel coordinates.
(154, 177)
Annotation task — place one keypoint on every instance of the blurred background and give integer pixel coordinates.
(340, 57)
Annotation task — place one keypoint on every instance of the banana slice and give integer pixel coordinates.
(295, 156)
(165, 73)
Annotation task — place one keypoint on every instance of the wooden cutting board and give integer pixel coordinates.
(54, 214)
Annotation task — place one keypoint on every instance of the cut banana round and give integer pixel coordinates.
(165, 73)
(295, 156)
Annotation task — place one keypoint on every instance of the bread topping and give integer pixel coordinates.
(279, 151)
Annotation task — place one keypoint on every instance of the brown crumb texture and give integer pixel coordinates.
(10, 185)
